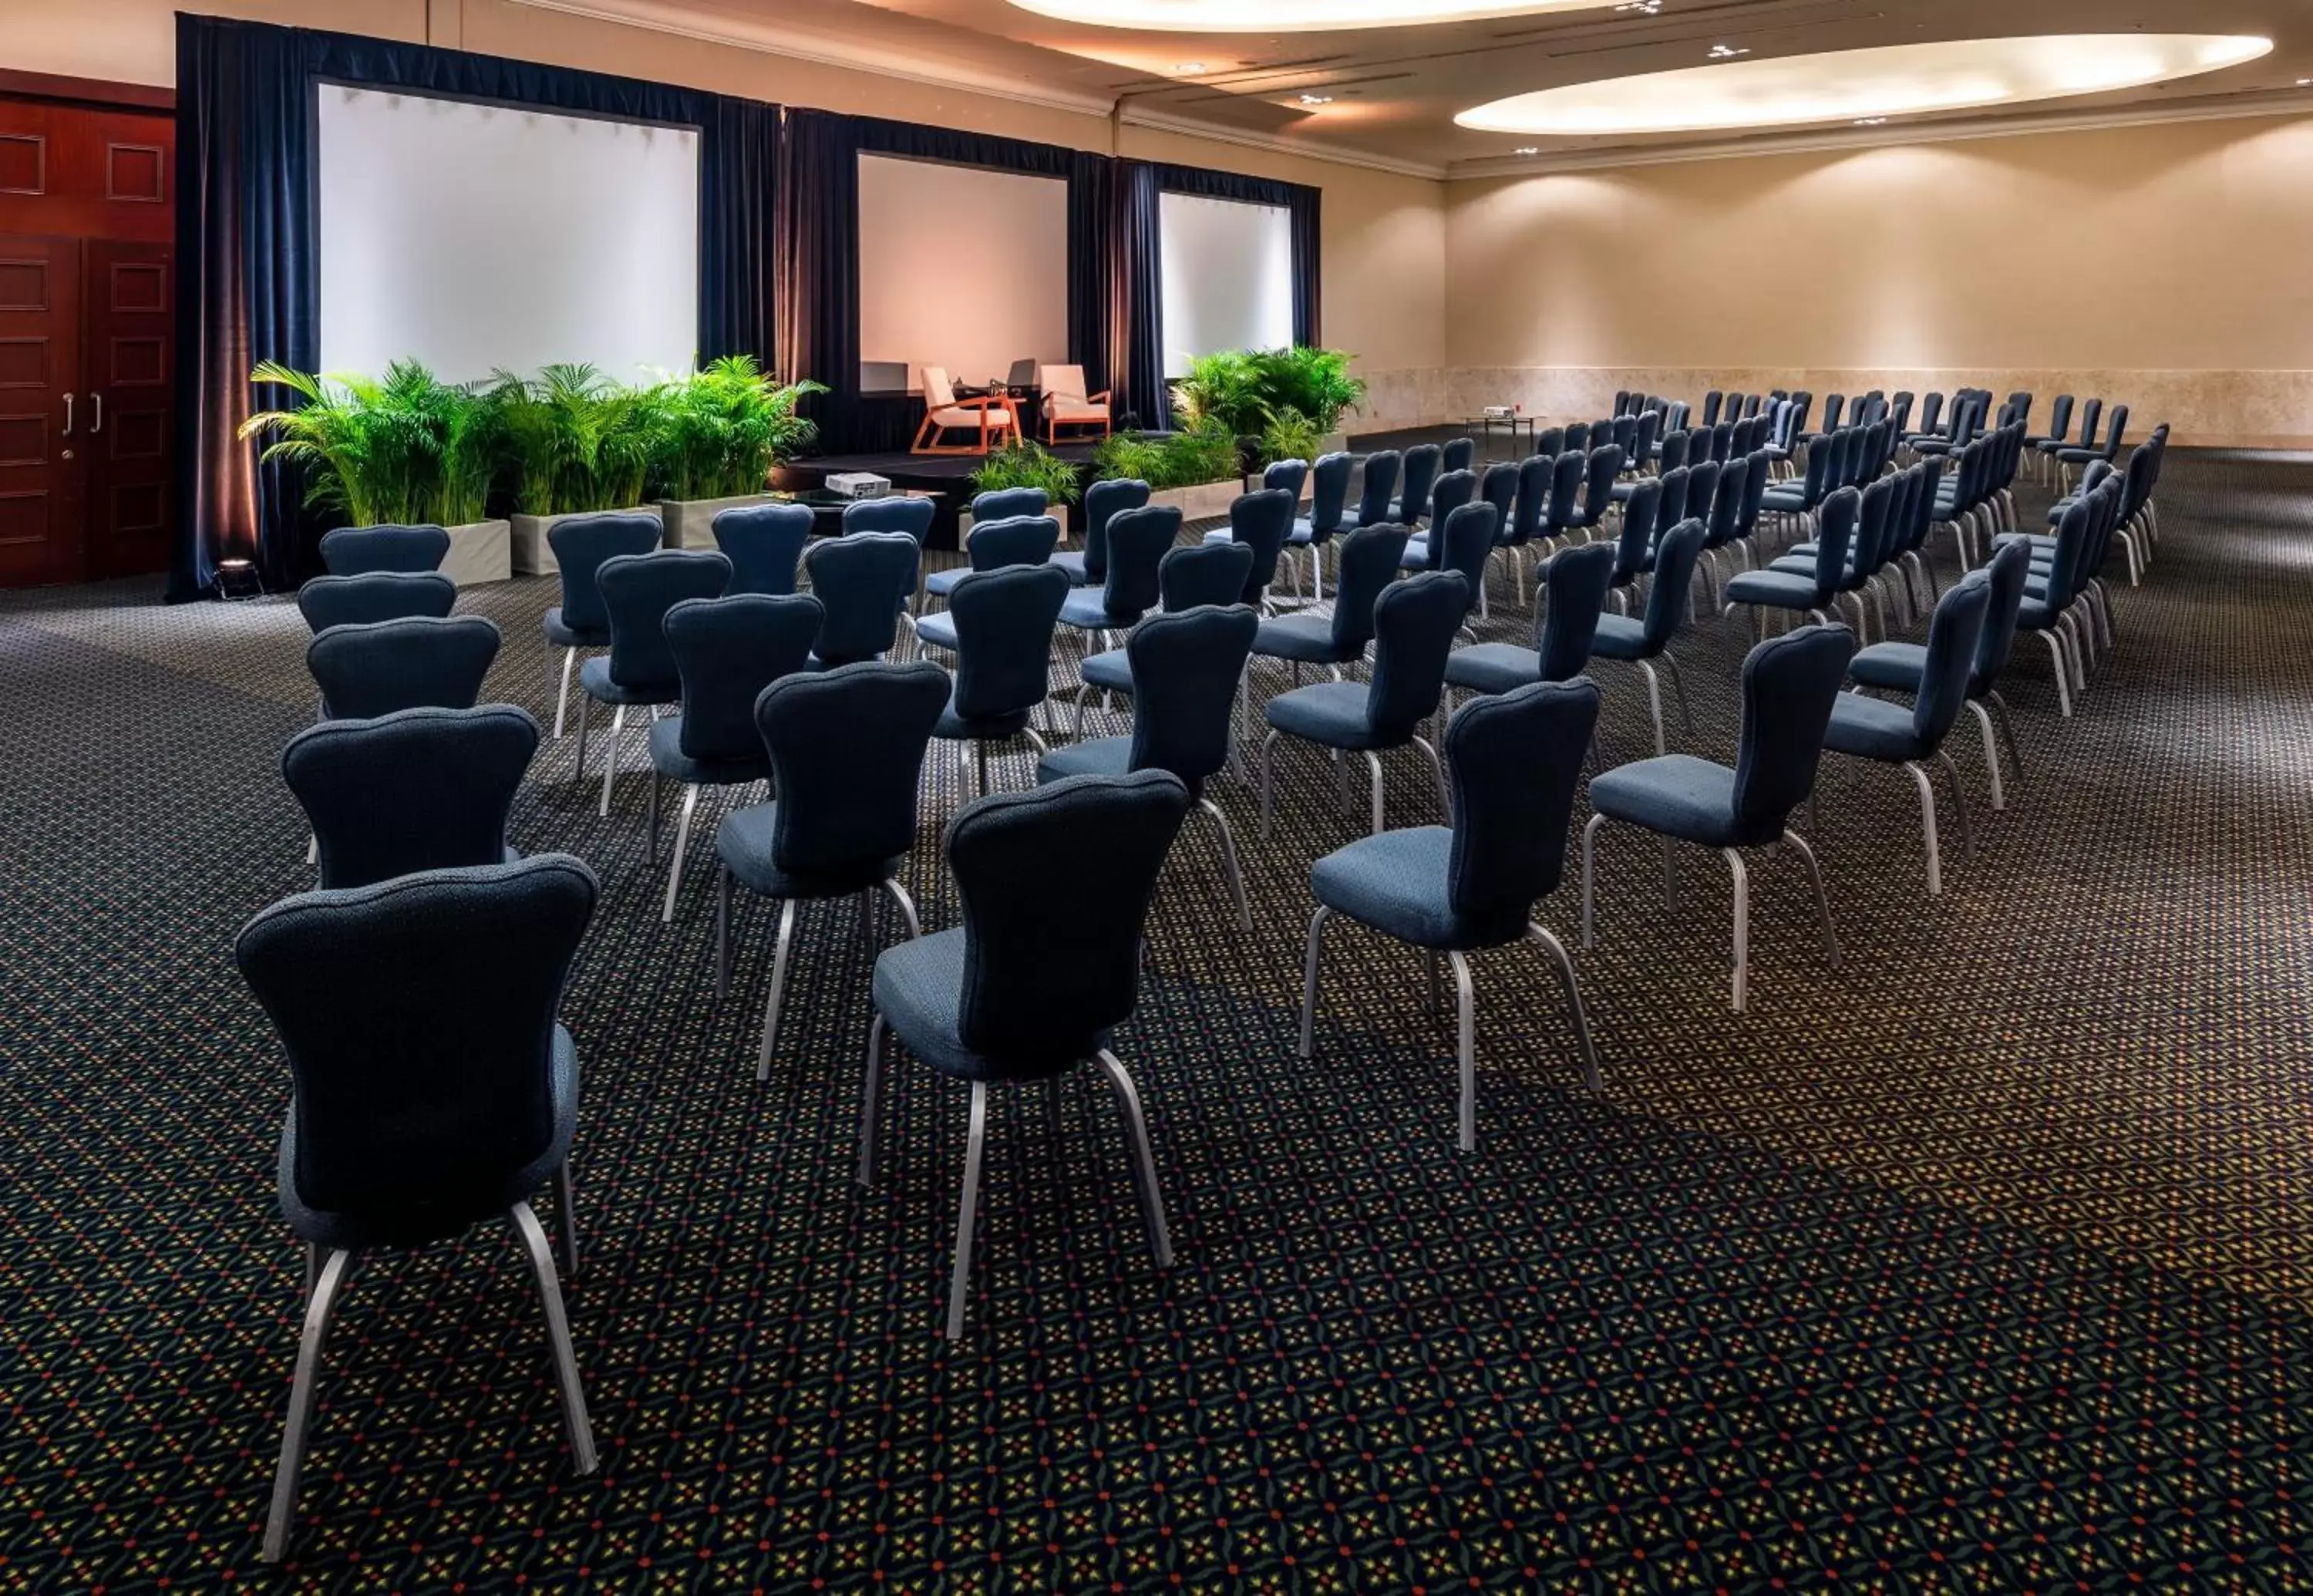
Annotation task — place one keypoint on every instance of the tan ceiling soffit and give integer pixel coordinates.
(2274, 104)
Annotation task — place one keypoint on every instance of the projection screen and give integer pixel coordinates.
(960, 267)
(478, 238)
(1227, 277)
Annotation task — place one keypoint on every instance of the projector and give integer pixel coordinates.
(858, 484)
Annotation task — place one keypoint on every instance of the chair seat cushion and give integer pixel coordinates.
(2035, 540)
(1306, 637)
(1333, 713)
(918, 990)
(744, 841)
(988, 729)
(1784, 590)
(1064, 410)
(1873, 728)
(1305, 532)
(1492, 667)
(2079, 456)
(1110, 669)
(2034, 614)
(1898, 667)
(1416, 556)
(563, 636)
(937, 629)
(958, 415)
(1396, 883)
(668, 759)
(1674, 794)
(1071, 561)
(1087, 608)
(1221, 534)
(452, 1215)
(1784, 500)
(1618, 636)
(1094, 756)
(594, 676)
(943, 582)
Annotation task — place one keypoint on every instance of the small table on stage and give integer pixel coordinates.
(1511, 423)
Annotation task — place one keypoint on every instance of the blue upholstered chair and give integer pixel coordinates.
(1186, 580)
(417, 789)
(1292, 475)
(1788, 684)
(1137, 541)
(1600, 469)
(892, 512)
(1576, 438)
(764, 543)
(1643, 640)
(1449, 493)
(580, 544)
(1529, 504)
(1424, 462)
(862, 581)
(1003, 621)
(1815, 592)
(2071, 462)
(1574, 584)
(1259, 520)
(1185, 670)
(378, 595)
(1633, 547)
(1328, 493)
(1566, 474)
(1088, 566)
(1414, 624)
(1008, 504)
(1018, 993)
(1911, 735)
(727, 650)
(418, 662)
(1378, 490)
(1512, 762)
(356, 550)
(638, 591)
(433, 1090)
(1866, 555)
(994, 544)
(1462, 540)
(1366, 564)
(1460, 453)
(846, 749)
(2044, 444)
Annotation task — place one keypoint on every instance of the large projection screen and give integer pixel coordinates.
(1227, 277)
(476, 238)
(961, 268)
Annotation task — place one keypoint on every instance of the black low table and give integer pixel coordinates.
(1486, 425)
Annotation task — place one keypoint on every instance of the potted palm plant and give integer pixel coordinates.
(1024, 463)
(1195, 469)
(573, 443)
(717, 437)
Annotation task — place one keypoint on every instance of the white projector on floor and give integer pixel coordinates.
(858, 484)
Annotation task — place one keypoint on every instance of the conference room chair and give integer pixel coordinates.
(846, 749)
(1259, 521)
(1460, 453)
(1550, 443)
(1186, 580)
(1528, 511)
(1419, 473)
(1067, 404)
(1576, 438)
(1631, 553)
(1336, 639)
(1899, 412)
(1600, 468)
(862, 581)
(2071, 462)
(1573, 584)
(1027, 538)
(374, 667)
(1001, 1000)
(416, 789)
(1003, 657)
(1139, 541)
(375, 595)
(1450, 493)
(990, 418)
(1087, 566)
(1710, 403)
(1702, 498)
(1186, 668)
(1376, 491)
(2137, 515)
(1912, 736)
(892, 512)
(1512, 762)
(432, 1091)
(1864, 556)
(764, 543)
(1902, 667)
(581, 543)
(1644, 639)
(639, 670)
(1328, 493)
(1414, 624)
(1638, 452)
(2048, 617)
(1567, 471)
(1463, 543)
(1788, 684)
(356, 550)
(1815, 590)
(727, 650)
(2043, 446)
(1291, 476)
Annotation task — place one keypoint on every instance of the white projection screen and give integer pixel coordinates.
(1227, 277)
(478, 238)
(960, 266)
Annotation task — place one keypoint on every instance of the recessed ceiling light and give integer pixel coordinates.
(1726, 52)
(1846, 85)
(1871, 121)
(1649, 7)
(2304, 82)
(1298, 16)
(1527, 149)
(1316, 99)
(1187, 67)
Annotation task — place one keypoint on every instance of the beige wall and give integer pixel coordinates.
(2162, 265)
(1384, 235)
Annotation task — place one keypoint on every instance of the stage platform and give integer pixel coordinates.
(948, 476)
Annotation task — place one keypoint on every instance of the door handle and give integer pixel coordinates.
(68, 431)
(98, 425)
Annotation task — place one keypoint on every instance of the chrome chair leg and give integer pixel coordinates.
(610, 754)
(1654, 703)
(585, 717)
(562, 697)
(722, 930)
(1373, 760)
(1268, 758)
(1465, 1048)
(906, 906)
(871, 1087)
(1445, 793)
(321, 1304)
(1550, 945)
(960, 1284)
(1589, 876)
(1991, 752)
(1229, 869)
(779, 982)
(566, 1212)
(1142, 1159)
(1309, 980)
(682, 841)
(1959, 804)
(1742, 928)
(2007, 731)
(2063, 669)
(1927, 825)
(557, 1336)
(1678, 687)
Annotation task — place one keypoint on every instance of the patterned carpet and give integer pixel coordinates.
(1977, 1263)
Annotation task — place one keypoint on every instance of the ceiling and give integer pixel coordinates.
(1394, 92)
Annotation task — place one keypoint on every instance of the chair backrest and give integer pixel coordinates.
(1138, 539)
(1603, 466)
(1452, 491)
(1292, 475)
(728, 650)
(1328, 493)
(1954, 633)
(1874, 525)
(1261, 520)
(2060, 415)
(375, 667)
(1002, 504)
(1382, 469)
(1674, 450)
(1932, 410)
(1702, 493)
(1722, 442)
(1103, 502)
(1057, 382)
(1835, 408)
(1819, 474)
(1367, 564)
(1533, 502)
(1759, 468)
(2005, 577)
(1463, 543)
(1185, 670)
(1512, 762)
(1675, 554)
(938, 392)
(353, 551)
(2091, 413)
(1039, 988)
(1565, 491)
(764, 543)
(1834, 535)
(1576, 581)
(1012, 539)
(1641, 447)
(1641, 513)
(1004, 637)
(1459, 454)
(581, 543)
(893, 512)
(638, 591)
(377, 596)
(1422, 464)
(846, 749)
(1552, 444)
(417, 789)
(1623, 432)
(1205, 573)
(2116, 428)
(862, 581)
(2018, 407)
(1414, 624)
(1710, 403)
(1900, 417)
(418, 1014)
(1499, 486)
(1672, 509)
(1788, 684)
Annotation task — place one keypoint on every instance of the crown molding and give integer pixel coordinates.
(2269, 103)
(1132, 116)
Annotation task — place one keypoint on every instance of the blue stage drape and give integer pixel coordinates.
(1092, 226)
(1138, 351)
(247, 242)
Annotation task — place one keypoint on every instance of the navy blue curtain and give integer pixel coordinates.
(1092, 264)
(247, 242)
(1300, 201)
(1138, 350)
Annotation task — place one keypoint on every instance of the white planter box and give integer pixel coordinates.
(1202, 501)
(1336, 443)
(532, 554)
(480, 551)
(691, 522)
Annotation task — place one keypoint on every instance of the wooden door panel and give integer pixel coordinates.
(82, 171)
(130, 395)
(40, 366)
